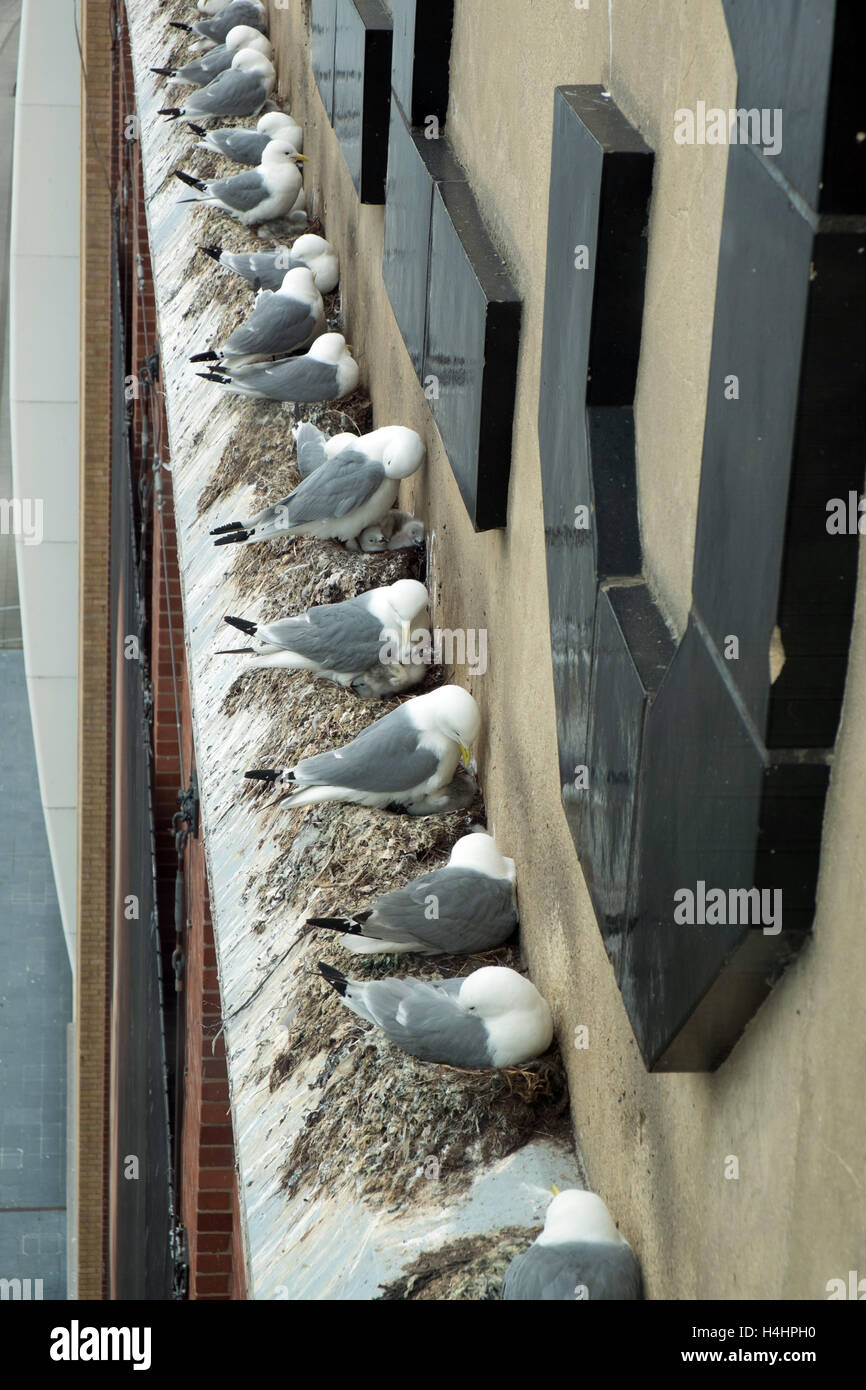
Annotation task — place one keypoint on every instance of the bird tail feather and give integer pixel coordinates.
(210, 356)
(172, 112)
(242, 624)
(199, 129)
(190, 180)
(334, 978)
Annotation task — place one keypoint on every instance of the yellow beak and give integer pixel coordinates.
(465, 754)
(301, 159)
(554, 1189)
(407, 634)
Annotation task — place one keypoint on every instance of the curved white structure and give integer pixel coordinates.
(43, 392)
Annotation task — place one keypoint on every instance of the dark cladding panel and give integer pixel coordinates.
(422, 51)
(323, 28)
(414, 165)
(362, 76)
(473, 331)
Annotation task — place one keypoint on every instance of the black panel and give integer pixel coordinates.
(422, 51)
(323, 30)
(685, 790)
(414, 165)
(362, 77)
(760, 314)
(473, 330)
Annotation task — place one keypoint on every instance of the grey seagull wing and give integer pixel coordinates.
(340, 636)
(385, 757)
(337, 489)
(427, 1021)
(275, 324)
(578, 1270)
(242, 192)
(473, 911)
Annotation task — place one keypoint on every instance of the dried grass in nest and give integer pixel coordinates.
(470, 1268)
(401, 1113)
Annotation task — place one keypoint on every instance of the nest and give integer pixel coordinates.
(470, 1268)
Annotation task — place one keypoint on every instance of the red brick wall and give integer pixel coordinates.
(207, 1195)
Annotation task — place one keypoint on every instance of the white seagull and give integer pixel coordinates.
(337, 500)
(221, 16)
(469, 905)
(203, 70)
(399, 763)
(257, 195)
(579, 1255)
(364, 643)
(325, 373)
(247, 146)
(491, 1018)
(282, 321)
(241, 90)
(267, 268)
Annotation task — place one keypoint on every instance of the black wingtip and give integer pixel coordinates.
(229, 526)
(333, 977)
(234, 538)
(264, 774)
(190, 180)
(236, 651)
(215, 252)
(172, 112)
(214, 376)
(175, 24)
(242, 624)
(344, 924)
(206, 357)
(199, 129)
(165, 72)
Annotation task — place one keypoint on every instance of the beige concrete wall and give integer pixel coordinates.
(786, 1102)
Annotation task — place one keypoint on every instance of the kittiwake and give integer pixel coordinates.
(241, 90)
(325, 373)
(224, 16)
(364, 643)
(267, 268)
(469, 905)
(397, 763)
(256, 195)
(337, 500)
(282, 321)
(204, 69)
(247, 146)
(579, 1255)
(491, 1018)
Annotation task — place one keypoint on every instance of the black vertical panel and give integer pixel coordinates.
(323, 30)
(362, 77)
(473, 330)
(415, 165)
(760, 315)
(421, 56)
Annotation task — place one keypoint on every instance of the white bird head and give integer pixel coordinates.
(244, 36)
(279, 152)
(321, 257)
(451, 711)
(330, 348)
(576, 1216)
(250, 60)
(273, 122)
(399, 450)
(477, 850)
(407, 600)
(494, 992)
(299, 284)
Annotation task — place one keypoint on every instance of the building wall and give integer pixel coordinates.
(785, 1102)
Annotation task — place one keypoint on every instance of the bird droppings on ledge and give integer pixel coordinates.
(472, 1268)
